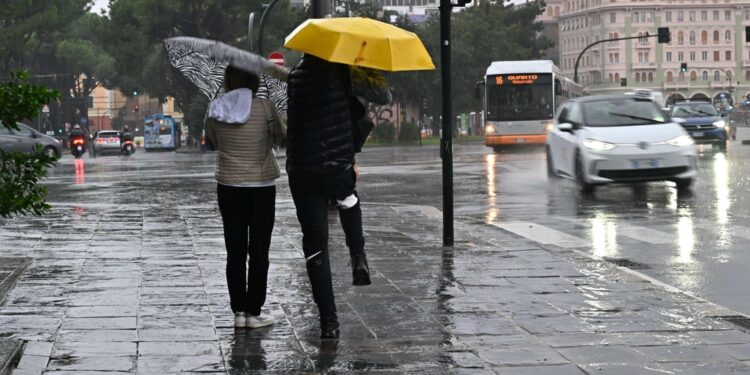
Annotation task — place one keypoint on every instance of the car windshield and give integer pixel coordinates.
(694, 110)
(622, 112)
(510, 98)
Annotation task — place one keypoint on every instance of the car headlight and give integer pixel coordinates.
(489, 129)
(597, 145)
(683, 140)
(720, 124)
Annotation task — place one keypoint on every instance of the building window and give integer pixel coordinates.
(669, 56)
(650, 77)
(611, 58)
(610, 77)
(727, 36)
(692, 37)
(668, 16)
(704, 15)
(704, 56)
(680, 16)
(682, 77)
(617, 77)
(705, 75)
(747, 75)
(717, 76)
(670, 77)
(727, 15)
(636, 17)
(716, 15)
(617, 57)
(638, 77)
(716, 55)
(691, 16)
(693, 75)
(728, 55)
(692, 56)
(680, 38)
(680, 56)
(704, 37)
(612, 17)
(716, 36)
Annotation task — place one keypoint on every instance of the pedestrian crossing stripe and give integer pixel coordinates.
(542, 234)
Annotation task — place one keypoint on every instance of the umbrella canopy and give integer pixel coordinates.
(362, 42)
(203, 62)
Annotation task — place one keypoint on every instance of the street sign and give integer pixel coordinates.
(45, 109)
(276, 58)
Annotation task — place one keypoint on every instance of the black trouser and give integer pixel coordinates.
(248, 214)
(311, 196)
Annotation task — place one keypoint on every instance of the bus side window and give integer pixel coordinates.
(558, 87)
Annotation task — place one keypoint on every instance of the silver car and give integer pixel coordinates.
(25, 139)
(106, 141)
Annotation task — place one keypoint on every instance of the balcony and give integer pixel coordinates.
(644, 65)
(746, 63)
(677, 85)
(724, 84)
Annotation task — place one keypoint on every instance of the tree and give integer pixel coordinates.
(20, 192)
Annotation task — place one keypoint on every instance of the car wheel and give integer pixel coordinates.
(50, 152)
(684, 184)
(583, 186)
(722, 146)
(551, 171)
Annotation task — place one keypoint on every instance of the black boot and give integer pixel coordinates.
(360, 270)
(329, 327)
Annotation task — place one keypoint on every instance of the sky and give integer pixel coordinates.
(99, 4)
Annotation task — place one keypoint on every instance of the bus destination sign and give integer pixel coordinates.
(521, 79)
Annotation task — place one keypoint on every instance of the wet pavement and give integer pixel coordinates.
(128, 277)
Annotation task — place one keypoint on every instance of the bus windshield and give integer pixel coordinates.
(519, 97)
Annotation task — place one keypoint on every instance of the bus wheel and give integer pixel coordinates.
(497, 149)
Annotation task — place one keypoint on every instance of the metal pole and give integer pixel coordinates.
(580, 55)
(250, 24)
(263, 25)
(321, 8)
(446, 139)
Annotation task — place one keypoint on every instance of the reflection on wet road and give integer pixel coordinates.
(693, 241)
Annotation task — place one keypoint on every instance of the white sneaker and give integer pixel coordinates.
(240, 321)
(258, 321)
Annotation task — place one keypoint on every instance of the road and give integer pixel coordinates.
(695, 242)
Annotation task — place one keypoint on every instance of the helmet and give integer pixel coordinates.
(125, 128)
(76, 126)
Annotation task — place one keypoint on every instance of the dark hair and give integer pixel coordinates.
(235, 78)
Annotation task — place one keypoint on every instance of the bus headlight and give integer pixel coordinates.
(720, 124)
(489, 129)
(597, 145)
(548, 127)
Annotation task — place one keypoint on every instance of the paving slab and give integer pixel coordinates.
(154, 301)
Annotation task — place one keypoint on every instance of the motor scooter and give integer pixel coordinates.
(77, 146)
(127, 148)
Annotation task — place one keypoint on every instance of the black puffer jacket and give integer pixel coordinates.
(319, 125)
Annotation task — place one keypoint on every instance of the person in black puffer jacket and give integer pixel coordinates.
(320, 165)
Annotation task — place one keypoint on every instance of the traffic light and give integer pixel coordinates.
(747, 34)
(663, 35)
(683, 67)
(623, 81)
(136, 91)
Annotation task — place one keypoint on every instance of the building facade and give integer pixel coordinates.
(551, 29)
(707, 35)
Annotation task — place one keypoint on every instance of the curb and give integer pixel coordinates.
(7, 284)
(14, 356)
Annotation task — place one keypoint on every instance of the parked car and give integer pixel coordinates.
(619, 138)
(106, 142)
(26, 139)
(704, 123)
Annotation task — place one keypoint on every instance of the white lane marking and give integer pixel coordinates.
(635, 232)
(544, 235)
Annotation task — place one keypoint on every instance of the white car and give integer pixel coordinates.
(619, 138)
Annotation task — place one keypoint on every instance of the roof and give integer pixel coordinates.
(598, 98)
(527, 66)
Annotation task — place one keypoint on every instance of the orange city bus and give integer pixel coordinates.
(520, 100)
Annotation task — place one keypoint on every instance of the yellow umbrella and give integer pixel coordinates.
(362, 42)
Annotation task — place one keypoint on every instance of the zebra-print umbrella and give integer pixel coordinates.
(203, 61)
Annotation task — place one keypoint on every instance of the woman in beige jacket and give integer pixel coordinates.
(244, 129)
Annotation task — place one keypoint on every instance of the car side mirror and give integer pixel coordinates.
(566, 127)
(33, 135)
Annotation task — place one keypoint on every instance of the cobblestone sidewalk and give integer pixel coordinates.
(142, 290)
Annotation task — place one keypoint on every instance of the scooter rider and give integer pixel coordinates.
(125, 135)
(77, 132)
